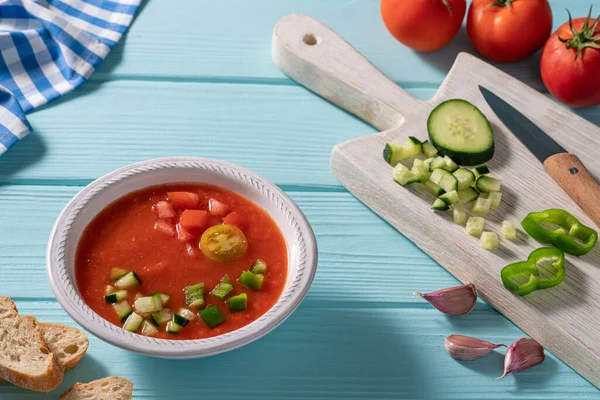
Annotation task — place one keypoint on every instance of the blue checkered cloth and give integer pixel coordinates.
(48, 48)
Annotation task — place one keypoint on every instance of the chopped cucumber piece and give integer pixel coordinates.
(429, 150)
(450, 197)
(212, 316)
(421, 172)
(162, 316)
(128, 281)
(108, 290)
(133, 322)
(164, 298)
(148, 304)
(440, 205)
(428, 162)
(238, 303)
(460, 131)
(475, 226)
(466, 196)
(250, 280)
(434, 189)
(480, 170)
(487, 184)
(179, 320)
(194, 295)
(459, 215)
(116, 296)
(482, 206)
(437, 162)
(509, 230)
(403, 175)
(394, 152)
(488, 240)
(116, 273)
(223, 288)
(148, 328)
(444, 179)
(495, 197)
(418, 162)
(123, 309)
(187, 314)
(173, 328)
(465, 178)
(450, 165)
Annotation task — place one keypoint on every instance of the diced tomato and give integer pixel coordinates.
(217, 208)
(234, 219)
(164, 209)
(194, 220)
(183, 234)
(191, 250)
(164, 226)
(183, 200)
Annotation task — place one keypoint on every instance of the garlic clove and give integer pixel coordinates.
(522, 354)
(458, 300)
(464, 348)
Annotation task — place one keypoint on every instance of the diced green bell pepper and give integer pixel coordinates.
(238, 303)
(223, 288)
(250, 280)
(212, 316)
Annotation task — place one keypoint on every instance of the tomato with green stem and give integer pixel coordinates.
(570, 63)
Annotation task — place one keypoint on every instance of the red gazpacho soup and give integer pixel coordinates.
(181, 261)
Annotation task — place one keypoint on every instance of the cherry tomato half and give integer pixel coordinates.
(223, 243)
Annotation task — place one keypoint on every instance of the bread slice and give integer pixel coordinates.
(25, 358)
(111, 388)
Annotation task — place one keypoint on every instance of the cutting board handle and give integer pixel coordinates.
(315, 56)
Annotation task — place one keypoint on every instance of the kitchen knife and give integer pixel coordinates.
(565, 168)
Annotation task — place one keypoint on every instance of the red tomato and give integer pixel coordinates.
(217, 208)
(164, 226)
(183, 234)
(424, 25)
(163, 209)
(183, 200)
(194, 220)
(571, 78)
(509, 30)
(234, 219)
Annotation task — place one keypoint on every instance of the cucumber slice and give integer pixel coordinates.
(450, 197)
(465, 178)
(108, 290)
(450, 165)
(164, 298)
(440, 205)
(481, 170)
(148, 304)
(421, 172)
(133, 322)
(403, 175)
(466, 196)
(459, 215)
(509, 230)
(128, 281)
(495, 197)
(116, 297)
(460, 131)
(444, 179)
(429, 150)
(482, 206)
(179, 320)
(437, 162)
(187, 314)
(163, 316)
(487, 184)
(475, 226)
(394, 152)
(123, 309)
(434, 188)
(488, 240)
(173, 328)
(148, 328)
(427, 162)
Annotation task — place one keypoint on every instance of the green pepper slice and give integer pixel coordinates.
(572, 237)
(529, 269)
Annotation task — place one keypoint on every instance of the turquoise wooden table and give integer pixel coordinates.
(196, 78)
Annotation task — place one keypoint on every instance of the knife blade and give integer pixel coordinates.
(566, 169)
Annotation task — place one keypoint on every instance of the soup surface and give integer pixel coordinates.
(156, 234)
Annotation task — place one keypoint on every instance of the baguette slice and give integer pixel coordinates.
(111, 388)
(68, 343)
(25, 358)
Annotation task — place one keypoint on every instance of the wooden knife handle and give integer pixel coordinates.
(572, 176)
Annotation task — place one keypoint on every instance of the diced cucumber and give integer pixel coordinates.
(250, 280)
(194, 295)
(133, 322)
(173, 328)
(480, 170)
(123, 309)
(429, 150)
(450, 197)
(488, 240)
(212, 316)
(395, 152)
(444, 179)
(403, 175)
(238, 303)
(437, 162)
(421, 172)
(148, 328)
(148, 304)
(466, 196)
(440, 205)
(459, 215)
(482, 206)
(460, 131)
(116, 273)
(450, 165)
(116, 297)
(495, 197)
(108, 290)
(475, 226)
(418, 162)
(179, 320)
(433, 188)
(428, 161)
(187, 314)
(465, 178)
(509, 230)
(164, 298)
(487, 184)
(223, 288)
(128, 281)
(162, 316)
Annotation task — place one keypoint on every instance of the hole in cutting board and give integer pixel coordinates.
(310, 39)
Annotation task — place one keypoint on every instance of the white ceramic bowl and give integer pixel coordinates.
(62, 245)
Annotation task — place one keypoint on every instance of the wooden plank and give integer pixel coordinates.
(363, 248)
(324, 352)
(165, 43)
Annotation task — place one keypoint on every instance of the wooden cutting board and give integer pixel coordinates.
(564, 319)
